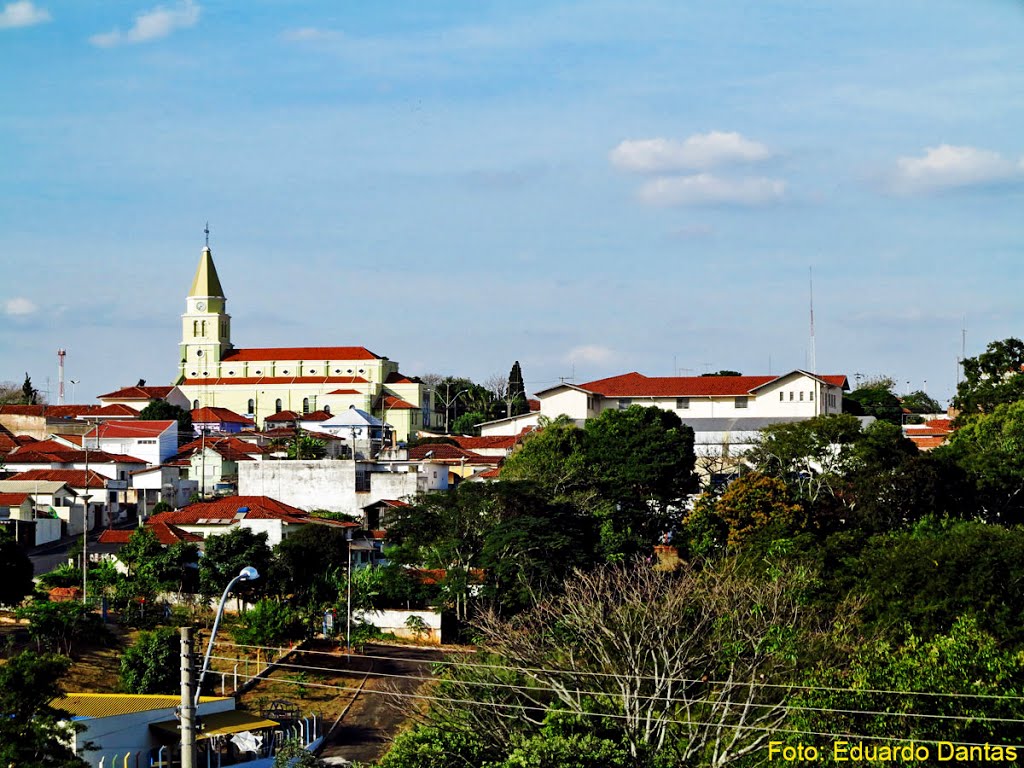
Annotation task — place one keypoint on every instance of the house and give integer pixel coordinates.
(219, 420)
(54, 498)
(725, 412)
(493, 445)
(360, 429)
(259, 382)
(929, 435)
(213, 461)
(140, 396)
(84, 483)
(38, 421)
(117, 729)
(460, 462)
(377, 516)
(152, 441)
(19, 519)
(256, 513)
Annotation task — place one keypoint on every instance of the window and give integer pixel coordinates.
(801, 395)
(682, 403)
(624, 403)
(810, 395)
(277, 405)
(791, 397)
(147, 442)
(327, 409)
(782, 396)
(195, 403)
(252, 406)
(305, 405)
(741, 402)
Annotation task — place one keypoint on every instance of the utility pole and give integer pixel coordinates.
(188, 707)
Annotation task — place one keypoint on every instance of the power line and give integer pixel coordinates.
(651, 698)
(587, 673)
(690, 723)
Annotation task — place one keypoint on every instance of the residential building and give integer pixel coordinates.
(52, 497)
(211, 420)
(140, 396)
(152, 441)
(261, 382)
(84, 484)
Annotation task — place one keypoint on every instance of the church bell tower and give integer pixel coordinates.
(206, 325)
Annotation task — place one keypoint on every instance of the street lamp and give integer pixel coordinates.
(447, 401)
(247, 574)
(348, 599)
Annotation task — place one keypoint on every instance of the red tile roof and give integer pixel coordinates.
(50, 411)
(250, 380)
(315, 416)
(534, 404)
(399, 378)
(8, 442)
(225, 511)
(12, 499)
(345, 392)
(491, 474)
(214, 415)
(305, 354)
(283, 416)
(506, 442)
(444, 453)
(231, 448)
(637, 385)
(76, 478)
(165, 534)
(925, 443)
(116, 409)
(130, 429)
(393, 403)
(30, 454)
(138, 393)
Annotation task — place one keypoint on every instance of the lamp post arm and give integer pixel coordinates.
(213, 636)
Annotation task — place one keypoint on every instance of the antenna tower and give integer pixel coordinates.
(60, 375)
(813, 361)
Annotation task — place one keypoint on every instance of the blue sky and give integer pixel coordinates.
(590, 188)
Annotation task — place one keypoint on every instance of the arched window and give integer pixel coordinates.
(305, 405)
(195, 404)
(252, 406)
(277, 405)
(327, 409)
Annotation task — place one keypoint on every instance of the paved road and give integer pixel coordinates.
(373, 721)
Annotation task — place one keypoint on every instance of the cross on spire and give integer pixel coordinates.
(207, 231)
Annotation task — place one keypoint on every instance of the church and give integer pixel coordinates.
(259, 382)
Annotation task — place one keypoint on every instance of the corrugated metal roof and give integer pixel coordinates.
(219, 724)
(93, 705)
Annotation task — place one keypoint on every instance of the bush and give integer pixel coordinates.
(268, 622)
(151, 665)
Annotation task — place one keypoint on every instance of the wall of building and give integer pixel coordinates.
(395, 622)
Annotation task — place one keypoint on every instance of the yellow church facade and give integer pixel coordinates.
(260, 382)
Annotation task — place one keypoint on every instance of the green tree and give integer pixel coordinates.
(966, 663)
(62, 626)
(993, 378)
(152, 663)
(308, 563)
(15, 571)
(754, 502)
(33, 734)
(724, 372)
(554, 458)
(268, 622)
(466, 424)
(293, 755)
(161, 410)
(29, 394)
(517, 390)
(305, 446)
(878, 401)
(226, 555)
(920, 402)
(990, 449)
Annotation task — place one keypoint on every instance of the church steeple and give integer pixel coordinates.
(206, 282)
(206, 325)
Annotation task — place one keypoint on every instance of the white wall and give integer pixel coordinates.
(394, 621)
(328, 484)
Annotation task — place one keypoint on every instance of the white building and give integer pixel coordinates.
(725, 412)
(152, 441)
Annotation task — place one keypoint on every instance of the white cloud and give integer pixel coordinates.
(151, 25)
(589, 353)
(22, 14)
(697, 152)
(948, 167)
(705, 189)
(19, 306)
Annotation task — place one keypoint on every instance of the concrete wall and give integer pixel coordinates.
(325, 484)
(394, 622)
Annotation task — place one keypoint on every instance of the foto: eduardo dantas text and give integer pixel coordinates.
(858, 752)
